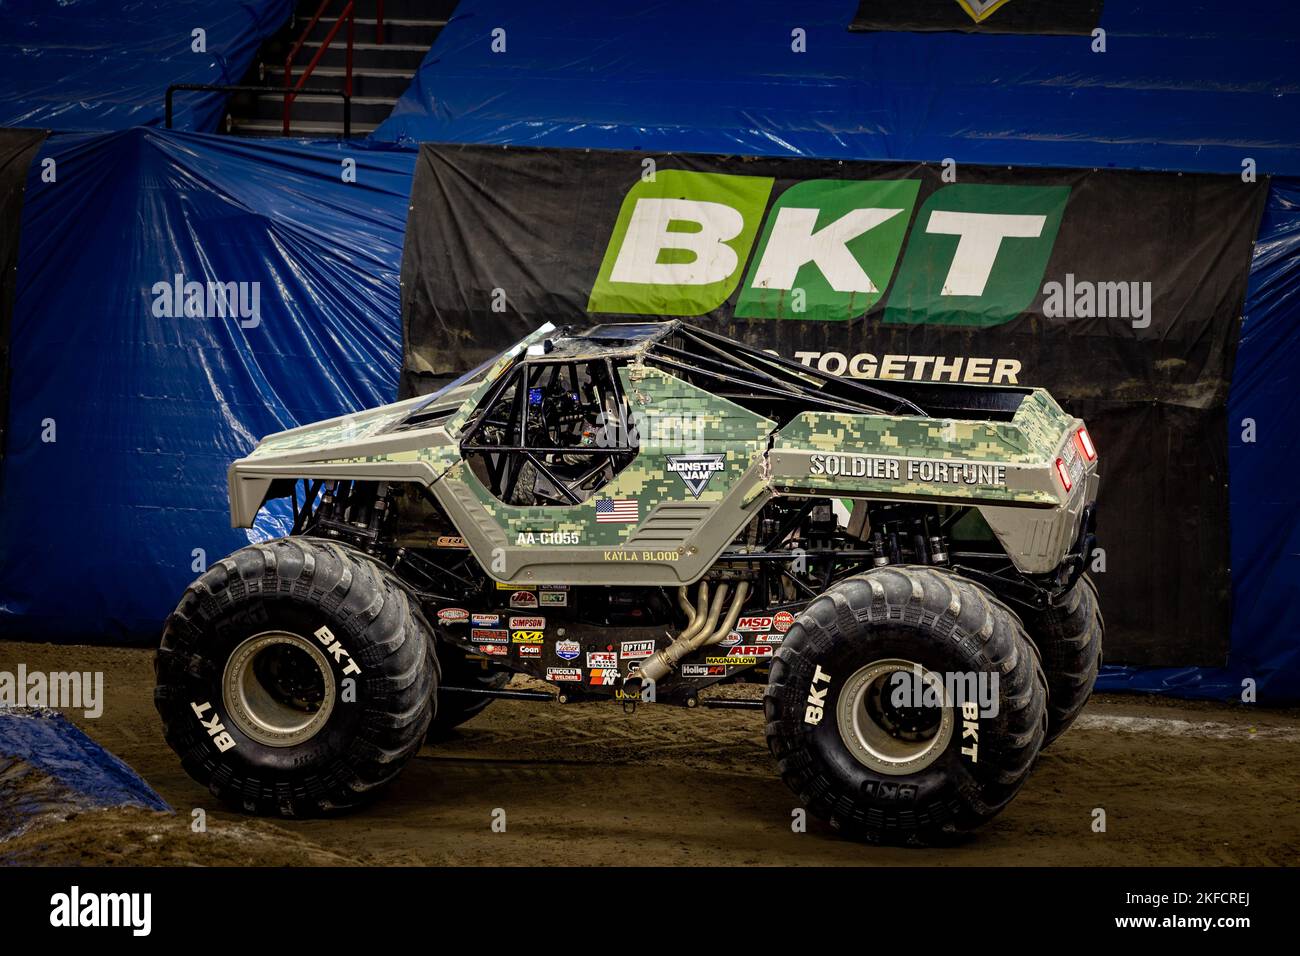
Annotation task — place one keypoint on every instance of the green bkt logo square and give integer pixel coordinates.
(828, 249)
(977, 254)
(679, 243)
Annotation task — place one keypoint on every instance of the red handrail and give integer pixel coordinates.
(291, 89)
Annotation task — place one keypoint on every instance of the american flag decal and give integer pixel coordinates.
(618, 510)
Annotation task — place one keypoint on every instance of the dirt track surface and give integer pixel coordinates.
(1181, 784)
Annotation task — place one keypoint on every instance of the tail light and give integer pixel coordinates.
(1084, 441)
(1064, 474)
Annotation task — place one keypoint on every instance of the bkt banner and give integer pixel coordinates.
(1119, 291)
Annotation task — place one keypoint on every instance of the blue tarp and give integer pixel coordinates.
(99, 527)
(106, 64)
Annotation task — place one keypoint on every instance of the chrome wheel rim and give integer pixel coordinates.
(883, 736)
(278, 688)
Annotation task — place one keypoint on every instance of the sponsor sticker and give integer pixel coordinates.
(450, 541)
(734, 661)
(567, 650)
(564, 674)
(530, 637)
(523, 599)
(633, 650)
(502, 586)
(453, 615)
(486, 635)
(530, 650)
(602, 659)
(695, 470)
(749, 650)
(494, 650)
(554, 598)
(783, 621)
(603, 677)
(703, 670)
(485, 620)
(732, 638)
(754, 624)
(527, 623)
(767, 638)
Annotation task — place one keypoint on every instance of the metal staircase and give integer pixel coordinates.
(381, 49)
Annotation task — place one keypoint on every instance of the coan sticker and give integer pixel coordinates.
(527, 637)
(453, 615)
(530, 650)
(564, 674)
(567, 650)
(783, 621)
(523, 599)
(602, 659)
(486, 635)
(695, 470)
(632, 650)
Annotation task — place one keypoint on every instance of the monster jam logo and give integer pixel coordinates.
(695, 470)
(828, 249)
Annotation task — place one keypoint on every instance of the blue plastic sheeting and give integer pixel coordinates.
(50, 765)
(1182, 85)
(99, 528)
(106, 64)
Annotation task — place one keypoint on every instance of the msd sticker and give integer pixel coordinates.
(567, 650)
(602, 659)
(564, 674)
(754, 624)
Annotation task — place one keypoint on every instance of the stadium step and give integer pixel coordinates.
(381, 72)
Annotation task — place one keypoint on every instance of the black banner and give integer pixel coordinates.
(1067, 17)
(17, 150)
(1120, 292)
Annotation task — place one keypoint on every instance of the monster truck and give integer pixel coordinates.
(634, 513)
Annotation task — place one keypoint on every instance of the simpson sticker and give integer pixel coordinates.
(567, 650)
(602, 659)
(527, 623)
(695, 470)
(487, 635)
(453, 615)
(816, 706)
(632, 650)
(564, 674)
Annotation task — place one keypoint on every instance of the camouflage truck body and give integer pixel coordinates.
(682, 461)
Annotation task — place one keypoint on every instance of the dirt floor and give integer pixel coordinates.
(1180, 783)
